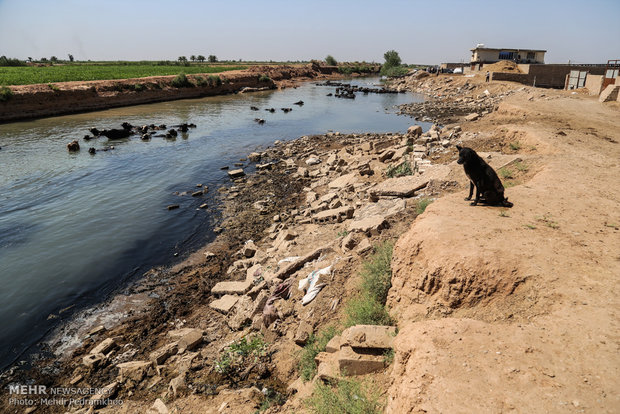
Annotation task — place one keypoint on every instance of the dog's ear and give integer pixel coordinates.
(458, 148)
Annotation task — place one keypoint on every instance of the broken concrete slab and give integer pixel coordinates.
(236, 173)
(224, 304)
(369, 336)
(133, 370)
(160, 355)
(344, 181)
(304, 330)
(190, 340)
(232, 288)
(370, 225)
(104, 346)
(407, 186)
(327, 366)
(351, 362)
(333, 345)
(336, 215)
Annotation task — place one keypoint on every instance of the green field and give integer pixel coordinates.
(26, 75)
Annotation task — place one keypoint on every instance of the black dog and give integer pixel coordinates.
(489, 188)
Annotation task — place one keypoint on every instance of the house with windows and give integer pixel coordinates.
(481, 55)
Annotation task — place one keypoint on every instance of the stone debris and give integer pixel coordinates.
(224, 304)
(133, 370)
(236, 173)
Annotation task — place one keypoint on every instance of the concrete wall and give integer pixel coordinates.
(594, 84)
(547, 76)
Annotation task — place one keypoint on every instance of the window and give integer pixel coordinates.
(506, 55)
(531, 55)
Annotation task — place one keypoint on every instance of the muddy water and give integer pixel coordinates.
(74, 227)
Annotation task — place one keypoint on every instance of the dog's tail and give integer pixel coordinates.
(506, 203)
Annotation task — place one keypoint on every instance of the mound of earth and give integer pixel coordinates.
(503, 66)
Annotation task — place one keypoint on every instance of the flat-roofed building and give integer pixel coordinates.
(482, 55)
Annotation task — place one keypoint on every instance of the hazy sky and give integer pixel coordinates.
(428, 31)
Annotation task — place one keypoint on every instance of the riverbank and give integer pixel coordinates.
(61, 98)
(527, 295)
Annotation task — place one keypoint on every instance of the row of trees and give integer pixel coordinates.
(199, 58)
(392, 66)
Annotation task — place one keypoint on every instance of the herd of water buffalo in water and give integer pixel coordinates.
(343, 90)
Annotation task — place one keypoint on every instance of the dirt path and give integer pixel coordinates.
(517, 310)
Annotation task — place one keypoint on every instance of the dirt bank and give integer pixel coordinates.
(517, 310)
(41, 100)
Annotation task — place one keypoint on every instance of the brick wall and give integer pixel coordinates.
(547, 76)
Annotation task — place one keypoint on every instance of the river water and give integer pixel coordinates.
(75, 227)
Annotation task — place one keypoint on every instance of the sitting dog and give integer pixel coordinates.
(489, 188)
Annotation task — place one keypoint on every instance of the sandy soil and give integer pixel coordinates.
(516, 310)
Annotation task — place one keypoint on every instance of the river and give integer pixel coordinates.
(74, 226)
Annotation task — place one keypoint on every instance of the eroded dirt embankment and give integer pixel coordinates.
(41, 100)
(517, 310)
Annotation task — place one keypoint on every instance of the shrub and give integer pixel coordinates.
(515, 146)
(234, 360)
(366, 311)
(399, 170)
(4, 61)
(200, 81)
(214, 80)
(264, 78)
(139, 87)
(395, 71)
(422, 204)
(315, 344)
(331, 61)
(505, 173)
(346, 396)
(5, 94)
(181, 81)
(53, 87)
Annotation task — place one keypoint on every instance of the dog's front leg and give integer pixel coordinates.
(471, 191)
(475, 202)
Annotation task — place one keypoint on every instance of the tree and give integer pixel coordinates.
(29, 59)
(212, 58)
(43, 59)
(331, 61)
(391, 58)
(182, 59)
(201, 58)
(70, 57)
(192, 58)
(54, 59)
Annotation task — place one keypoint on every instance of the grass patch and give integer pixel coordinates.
(515, 146)
(530, 226)
(343, 233)
(422, 204)
(264, 78)
(522, 167)
(139, 87)
(368, 308)
(505, 173)
(98, 71)
(181, 81)
(5, 94)
(503, 214)
(345, 396)
(234, 360)
(402, 169)
(200, 81)
(53, 87)
(388, 356)
(315, 345)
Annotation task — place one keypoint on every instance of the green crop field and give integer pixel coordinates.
(26, 75)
